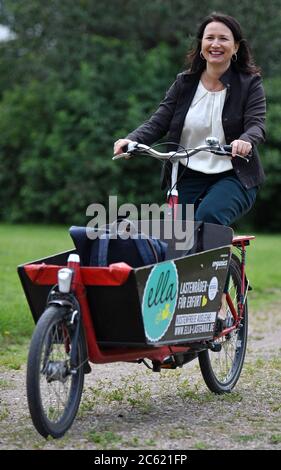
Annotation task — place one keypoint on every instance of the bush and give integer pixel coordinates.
(56, 142)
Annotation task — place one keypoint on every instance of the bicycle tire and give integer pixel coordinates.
(224, 381)
(48, 371)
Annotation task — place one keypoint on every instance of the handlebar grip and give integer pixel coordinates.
(228, 149)
(127, 151)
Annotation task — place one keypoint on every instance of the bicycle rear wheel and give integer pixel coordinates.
(54, 389)
(221, 369)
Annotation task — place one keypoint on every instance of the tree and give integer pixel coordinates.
(266, 215)
(80, 73)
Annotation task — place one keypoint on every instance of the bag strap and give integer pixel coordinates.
(161, 248)
(145, 246)
(103, 250)
(146, 250)
(150, 250)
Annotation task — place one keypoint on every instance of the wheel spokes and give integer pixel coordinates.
(224, 361)
(55, 376)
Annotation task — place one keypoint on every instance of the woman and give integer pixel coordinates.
(220, 95)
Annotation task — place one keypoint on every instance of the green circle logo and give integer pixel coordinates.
(160, 299)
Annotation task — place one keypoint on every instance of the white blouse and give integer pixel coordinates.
(202, 120)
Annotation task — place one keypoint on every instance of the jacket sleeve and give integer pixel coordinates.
(158, 124)
(254, 113)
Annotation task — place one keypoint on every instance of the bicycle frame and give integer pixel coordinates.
(239, 242)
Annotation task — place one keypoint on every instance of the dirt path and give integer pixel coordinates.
(128, 407)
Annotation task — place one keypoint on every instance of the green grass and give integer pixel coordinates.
(24, 243)
(264, 271)
(104, 439)
(20, 244)
(275, 439)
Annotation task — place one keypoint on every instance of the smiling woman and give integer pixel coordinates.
(218, 43)
(218, 49)
(221, 94)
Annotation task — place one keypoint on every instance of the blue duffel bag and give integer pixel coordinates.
(111, 246)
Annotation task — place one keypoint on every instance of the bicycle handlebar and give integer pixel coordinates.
(212, 145)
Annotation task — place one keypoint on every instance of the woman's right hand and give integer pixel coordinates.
(119, 144)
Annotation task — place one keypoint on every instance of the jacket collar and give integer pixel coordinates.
(225, 78)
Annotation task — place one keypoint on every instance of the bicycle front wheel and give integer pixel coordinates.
(54, 389)
(221, 369)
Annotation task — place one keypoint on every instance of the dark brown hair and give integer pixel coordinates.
(245, 62)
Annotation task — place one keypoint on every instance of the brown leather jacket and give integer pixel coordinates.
(243, 117)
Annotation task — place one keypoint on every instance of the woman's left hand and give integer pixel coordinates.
(241, 147)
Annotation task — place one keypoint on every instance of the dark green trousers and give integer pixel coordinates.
(218, 199)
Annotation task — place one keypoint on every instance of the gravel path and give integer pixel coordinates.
(126, 406)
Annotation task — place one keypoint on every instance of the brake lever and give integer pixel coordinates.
(223, 152)
(121, 155)
(244, 158)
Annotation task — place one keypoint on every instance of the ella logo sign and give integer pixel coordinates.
(160, 300)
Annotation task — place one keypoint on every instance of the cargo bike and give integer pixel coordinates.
(162, 315)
